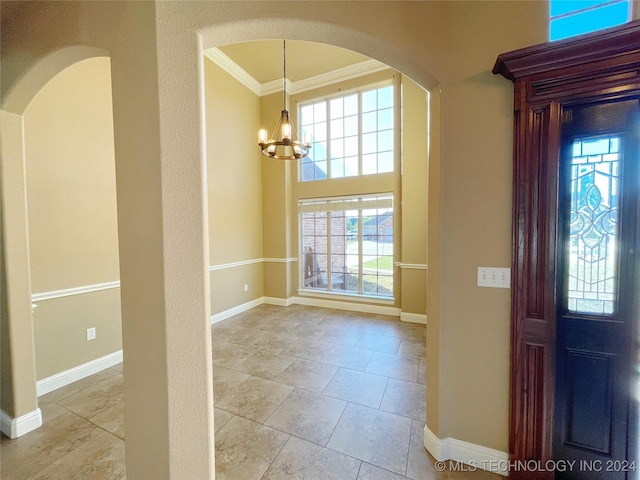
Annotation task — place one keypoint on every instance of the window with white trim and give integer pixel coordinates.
(575, 17)
(351, 135)
(347, 245)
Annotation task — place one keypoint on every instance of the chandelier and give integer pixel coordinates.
(289, 146)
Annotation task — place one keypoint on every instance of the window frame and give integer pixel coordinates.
(359, 91)
(363, 202)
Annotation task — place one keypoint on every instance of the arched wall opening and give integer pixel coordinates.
(159, 152)
(19, 402)
(73, 243)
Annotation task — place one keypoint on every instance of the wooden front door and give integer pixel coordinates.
(597, 283)
(572, 369)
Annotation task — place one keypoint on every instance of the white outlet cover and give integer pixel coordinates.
(91, 333)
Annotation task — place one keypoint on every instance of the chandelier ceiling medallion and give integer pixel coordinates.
(288, 146)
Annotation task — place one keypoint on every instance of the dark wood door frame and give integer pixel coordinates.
(596, 67)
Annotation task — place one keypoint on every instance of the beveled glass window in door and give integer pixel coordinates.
(592, 260)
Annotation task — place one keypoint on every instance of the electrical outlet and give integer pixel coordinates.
(494, 277)
(246, 287)
(91, 333)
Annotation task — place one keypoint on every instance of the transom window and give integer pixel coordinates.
(568, 18)
(351, 135)
(347, 245)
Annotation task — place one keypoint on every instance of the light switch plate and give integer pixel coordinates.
(493, 277)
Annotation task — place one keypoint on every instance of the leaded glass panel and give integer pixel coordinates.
(592, 260)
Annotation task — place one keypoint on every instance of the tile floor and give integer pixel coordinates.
(300, 393)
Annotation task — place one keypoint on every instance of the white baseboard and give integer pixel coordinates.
(16, 427)
(413, 318)
(468, 453)
(281, 302)
(218, 317)
(352, 307)
(74, 374)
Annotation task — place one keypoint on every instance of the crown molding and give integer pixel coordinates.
(275, 86)
(341, 74)
(233, 69)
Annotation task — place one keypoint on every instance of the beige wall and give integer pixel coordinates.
(234, 180)
(158, 145)
(277, 181)
(71, 201)
(414, 197)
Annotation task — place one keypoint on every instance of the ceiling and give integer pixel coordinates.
(263, 60)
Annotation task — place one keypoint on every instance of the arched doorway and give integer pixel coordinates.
(164, 228)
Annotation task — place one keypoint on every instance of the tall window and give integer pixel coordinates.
(347, 245)
(568, 18)
(351, 134)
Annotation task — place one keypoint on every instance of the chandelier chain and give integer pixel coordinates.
(284, 74)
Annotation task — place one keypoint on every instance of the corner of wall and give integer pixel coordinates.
(17, 427)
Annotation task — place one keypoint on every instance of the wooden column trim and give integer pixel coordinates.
(602, 66)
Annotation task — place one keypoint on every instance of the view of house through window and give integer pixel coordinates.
(351, 135)
(571, 18)
(347, 245)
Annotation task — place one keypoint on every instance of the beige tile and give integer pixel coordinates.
(233, 334)
(349, 357)
(405, 398)
(111, 419)
(422, 371)
(308, 415)
(307, 374)
(302, 460)
(255, 398)
(373, 436)
(229, 355)
(225, 380)
(341, 336)
(309, 349)
(118, 368)
(265, 364)
(273, 342)
(25, 456)
(412, 348)
(409, 331)
(308, 331)
(420, 465)
(221, 417)
(358, 387)
(371, 472)
(245, 449)
(403, 368)
(98, 397)
(379, 343)
(277, 325)
(78, 386)
(50, 411)
(101, 457)
(369, 326)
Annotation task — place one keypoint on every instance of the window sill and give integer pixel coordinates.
(304, 292)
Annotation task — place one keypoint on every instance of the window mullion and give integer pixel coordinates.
(329, 270)
(360, 242)
(328, 122)
(360, 170)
